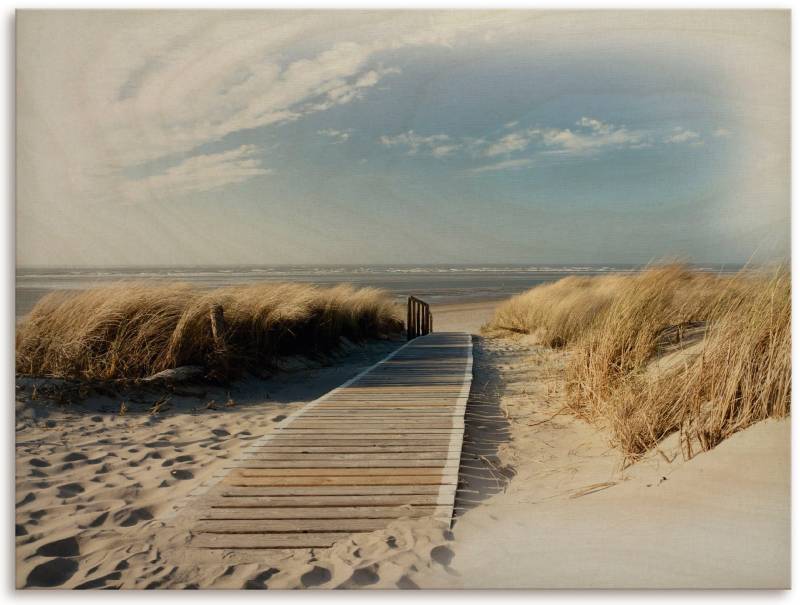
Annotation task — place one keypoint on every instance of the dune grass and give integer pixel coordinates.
(617, 328)
(135, 330)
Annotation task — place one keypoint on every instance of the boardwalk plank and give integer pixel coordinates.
(325, 512)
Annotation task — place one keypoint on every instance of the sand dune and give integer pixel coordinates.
(542, 501)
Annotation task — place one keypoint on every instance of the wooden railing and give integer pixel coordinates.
(419, 320)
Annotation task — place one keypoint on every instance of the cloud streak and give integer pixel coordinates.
(338, 136)
(681, 135)
(503, 165)
(588, 136)
(198, 174)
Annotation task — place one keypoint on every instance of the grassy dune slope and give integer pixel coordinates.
(134, 330)
(734, 332)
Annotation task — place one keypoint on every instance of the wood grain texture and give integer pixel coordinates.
(384, 446)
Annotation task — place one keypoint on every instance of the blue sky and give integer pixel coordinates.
(197, 138)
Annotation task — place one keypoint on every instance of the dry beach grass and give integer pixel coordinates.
(666, 350)
(135, 330)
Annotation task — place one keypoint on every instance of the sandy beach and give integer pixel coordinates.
(542, 500)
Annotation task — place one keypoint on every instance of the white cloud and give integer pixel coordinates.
(338, 136)
(508, 144)
(591, 135)
(682, 135)
(443, 150)
(595, 125)
(413, 143)
(722, 133)
(504, 165)
(197, 174)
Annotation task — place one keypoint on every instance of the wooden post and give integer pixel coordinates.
(419, 319)
(408, 319)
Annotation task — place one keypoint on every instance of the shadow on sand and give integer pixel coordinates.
(482, 475)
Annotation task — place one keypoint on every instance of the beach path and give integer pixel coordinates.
(383, 446)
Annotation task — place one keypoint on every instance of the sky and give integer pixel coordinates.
(218, 138)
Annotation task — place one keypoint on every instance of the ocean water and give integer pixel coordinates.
(436, 284)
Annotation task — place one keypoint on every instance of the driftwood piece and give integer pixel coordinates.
(173, 375)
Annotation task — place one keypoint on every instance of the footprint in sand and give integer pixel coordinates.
(38, 462)
(75, 457)
(184, 458)
(52, 573)
(157, 444)
(260, 580)
(99, 582)
(66, 547)
(220, 432)
(135, 516)
(442, 555)
(182, 474)
(69, 490)
(99, 520)
(406, 583)
(365, 576)
(315, 577)
(29, 497)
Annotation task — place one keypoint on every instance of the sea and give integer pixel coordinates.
(435, 284)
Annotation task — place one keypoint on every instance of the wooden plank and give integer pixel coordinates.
(324, 512)
(419, 440)
(329, 490)
(342, 457)
(266, 496)
(367, 422)
(334, 464)
(245, 470)
(321, 501)
(367, 432)
(348, 449)
(251, 526)
(366, 481)
(264, 541)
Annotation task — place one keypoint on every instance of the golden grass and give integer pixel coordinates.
(618, 327)
(134, 330)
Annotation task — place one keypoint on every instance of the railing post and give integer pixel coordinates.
(419, 319)
(408, 319)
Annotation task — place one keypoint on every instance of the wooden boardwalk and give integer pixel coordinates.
(383, 446)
